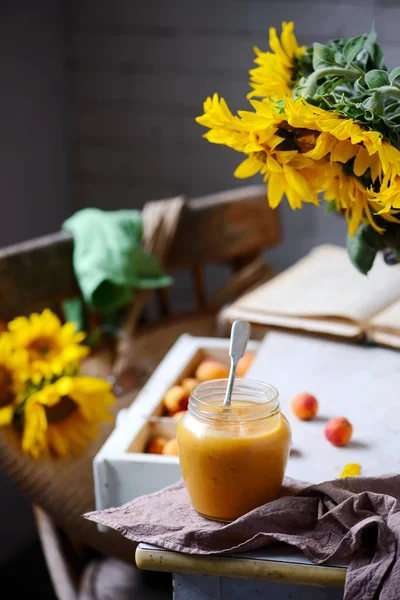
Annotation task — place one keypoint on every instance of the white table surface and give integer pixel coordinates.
(360, 383)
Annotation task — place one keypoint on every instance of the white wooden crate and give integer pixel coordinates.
(119, 475)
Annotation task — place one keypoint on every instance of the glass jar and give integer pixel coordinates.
(233, 459)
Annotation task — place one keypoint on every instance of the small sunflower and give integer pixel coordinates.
(276, 72)
(64, 416)
(13, 372)
(51, 346)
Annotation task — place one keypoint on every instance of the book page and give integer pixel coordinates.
(388, 318)
(335, 327)
(326, 284)
(384, 328)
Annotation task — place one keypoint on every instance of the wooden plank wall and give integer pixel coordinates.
(137, 76)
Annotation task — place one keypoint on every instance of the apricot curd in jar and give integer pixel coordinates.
(233, 459)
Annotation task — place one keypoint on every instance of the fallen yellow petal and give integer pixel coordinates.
(351, 470)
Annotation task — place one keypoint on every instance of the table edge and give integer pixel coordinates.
(240, 568)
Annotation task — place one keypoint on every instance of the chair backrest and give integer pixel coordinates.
(229, 227)
(224, 227)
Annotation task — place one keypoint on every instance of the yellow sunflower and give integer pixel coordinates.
(51, 346)
(244, 133)
(351, 197)
(287, 172)
(64, 416)
(302, 114)
(342, 140)
(261, 135)
(274, 75)
(13, 373)
(387, 199)
(302, 150)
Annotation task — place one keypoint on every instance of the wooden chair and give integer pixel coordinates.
(233, 228)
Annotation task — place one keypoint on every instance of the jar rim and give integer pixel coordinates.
(207, 397)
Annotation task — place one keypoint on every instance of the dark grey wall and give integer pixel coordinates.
(138, 74)
(33, 167)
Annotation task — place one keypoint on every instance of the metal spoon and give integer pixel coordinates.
(240, 334)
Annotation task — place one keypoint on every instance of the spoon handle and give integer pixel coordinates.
(240, 334)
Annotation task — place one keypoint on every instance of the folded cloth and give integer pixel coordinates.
(355, 518)
(109, 261)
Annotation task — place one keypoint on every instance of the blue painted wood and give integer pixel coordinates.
(201, 587)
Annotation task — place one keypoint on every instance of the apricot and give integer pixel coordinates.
(176, 399)
(178, 416)
(171, 448)
(211, 369)
(338, 431)
(156, 445)
(304, 406)
(244, 364)
(189, 383)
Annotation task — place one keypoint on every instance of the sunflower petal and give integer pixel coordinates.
(249, 167)
(276, 188)
(6, 415)
(362, 162)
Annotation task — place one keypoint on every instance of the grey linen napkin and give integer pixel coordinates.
(355, 518)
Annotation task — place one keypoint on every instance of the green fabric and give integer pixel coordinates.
(109, 261)
(74, 312)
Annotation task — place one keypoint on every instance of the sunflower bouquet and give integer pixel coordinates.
(323, 121)
(56, 411)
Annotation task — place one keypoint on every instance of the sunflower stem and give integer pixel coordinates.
(312, 81)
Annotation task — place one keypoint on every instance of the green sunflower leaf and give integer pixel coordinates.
(359, 86)
(353, 47)
(323, 56)
(363, 248)
(330, 206)
(377, 57)
(370, 38)
(374, 105)
(394, 74)
(327, 87)
(304, 63)
(376, 78)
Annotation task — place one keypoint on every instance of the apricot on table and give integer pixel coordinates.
(338, 431)
(244, 364)
(176, 399)
(211, 368)
(304, 406)
(171, 448)
(156, 445)
(189, 383)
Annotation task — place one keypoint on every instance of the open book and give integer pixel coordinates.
(324, 293)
